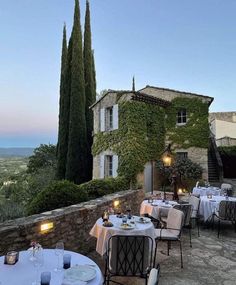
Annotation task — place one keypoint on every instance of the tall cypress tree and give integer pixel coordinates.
(90, 94)
(77, 147)
(63, 127)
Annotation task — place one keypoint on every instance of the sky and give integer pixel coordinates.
(185, 45)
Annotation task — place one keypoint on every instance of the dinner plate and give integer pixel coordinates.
(80, 273)
(142, 220)
(127, 226)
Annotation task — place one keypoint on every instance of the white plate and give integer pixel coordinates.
(127, 227)
(80, 272)
(143, 220)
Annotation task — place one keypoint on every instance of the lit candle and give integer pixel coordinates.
(180, 191)
(11, 257)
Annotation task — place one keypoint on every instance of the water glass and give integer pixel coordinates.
(66, 261)
(45, 278)
(59, 251)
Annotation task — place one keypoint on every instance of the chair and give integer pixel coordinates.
(187, 211)
(153, 278)
(226, 189)
(172, 232)
(227, 212)
(128, 256)
(195, 202)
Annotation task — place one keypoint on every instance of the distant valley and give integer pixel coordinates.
(16, 152)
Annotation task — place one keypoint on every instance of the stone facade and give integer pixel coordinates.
(71, 224)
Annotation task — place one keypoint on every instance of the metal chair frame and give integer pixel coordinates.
(128, 251)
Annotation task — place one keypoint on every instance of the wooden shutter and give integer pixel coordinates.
(115, 117)
(114, 165)
(102, 164)
(102, 120)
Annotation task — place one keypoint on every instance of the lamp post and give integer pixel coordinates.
(168, 159)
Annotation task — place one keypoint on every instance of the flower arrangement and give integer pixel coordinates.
(34, 248)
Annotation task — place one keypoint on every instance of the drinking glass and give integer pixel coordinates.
(128, 210)
(59, 251)
(38, 262)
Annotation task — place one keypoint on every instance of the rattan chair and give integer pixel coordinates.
(227, 212)
(129, 256)
(172, 232)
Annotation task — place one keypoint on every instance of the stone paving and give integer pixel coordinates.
(209, 261)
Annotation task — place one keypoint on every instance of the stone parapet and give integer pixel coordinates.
(71, 224)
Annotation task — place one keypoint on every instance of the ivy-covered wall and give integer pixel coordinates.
(139, 139)
(196, 131)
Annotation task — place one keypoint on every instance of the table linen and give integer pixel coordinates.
(208, 206)
(153, 209)
(24, 272)
(104, 233)
(204, 191)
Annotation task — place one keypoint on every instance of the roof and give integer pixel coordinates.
(151, 99)
(181, 92)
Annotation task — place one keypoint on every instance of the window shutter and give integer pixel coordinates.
(115, 117)
(102, 120)
(114, 165)
(102, 164)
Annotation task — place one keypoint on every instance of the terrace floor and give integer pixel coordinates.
(209, 261)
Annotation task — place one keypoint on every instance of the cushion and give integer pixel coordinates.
(165, 234)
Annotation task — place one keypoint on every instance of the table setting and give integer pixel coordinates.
(120, 225)
(204, 191)
(49, 267)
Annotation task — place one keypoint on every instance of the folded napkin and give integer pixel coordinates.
(67, 282)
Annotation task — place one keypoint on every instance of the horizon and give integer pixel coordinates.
(183, 46)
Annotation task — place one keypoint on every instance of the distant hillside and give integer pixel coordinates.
(16, 151)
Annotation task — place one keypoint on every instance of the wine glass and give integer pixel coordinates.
(38, 262)
(128, 210)
(59, 251)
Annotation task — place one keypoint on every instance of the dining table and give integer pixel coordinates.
(136, 226)
(210, 204)
(204, 191)
(24, 271)
(156, 208)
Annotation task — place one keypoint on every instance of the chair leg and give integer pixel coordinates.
(190, 236)
(198, 232)
(168, 248)
(181, 255)
(218, 235)
(154, 260)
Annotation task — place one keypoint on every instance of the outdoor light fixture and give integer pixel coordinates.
(167, 157)
(116, 203)
(44, 228)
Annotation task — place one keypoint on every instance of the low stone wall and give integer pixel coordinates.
(71, 224)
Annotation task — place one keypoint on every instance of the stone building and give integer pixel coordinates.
(184, 123)
(223, 126)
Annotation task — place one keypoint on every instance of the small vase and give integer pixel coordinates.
(32, 255)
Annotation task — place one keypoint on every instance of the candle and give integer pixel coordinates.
(180, 191)
(11, 257)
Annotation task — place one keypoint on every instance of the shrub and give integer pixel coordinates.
(58, 194)
(10, 210)
(99, 187)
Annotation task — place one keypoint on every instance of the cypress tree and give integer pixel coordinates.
(90, 94)
(64, 106)
(77, 146)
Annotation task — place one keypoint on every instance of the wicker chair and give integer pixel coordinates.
(128, 256)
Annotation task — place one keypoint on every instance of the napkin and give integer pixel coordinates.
(67, 282)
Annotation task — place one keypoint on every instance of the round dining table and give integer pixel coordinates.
(24, 272)
(103, 233)
(156, 207)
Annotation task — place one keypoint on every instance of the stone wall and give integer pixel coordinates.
(71, 224)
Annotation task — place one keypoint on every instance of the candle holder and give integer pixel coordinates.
(105, 216)
(11, 257)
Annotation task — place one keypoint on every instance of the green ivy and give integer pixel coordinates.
(139, 139)
(196, 131)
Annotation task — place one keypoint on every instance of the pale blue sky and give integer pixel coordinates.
(186, 45)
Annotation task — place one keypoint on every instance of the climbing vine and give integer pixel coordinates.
(196, 131)
(139, 139)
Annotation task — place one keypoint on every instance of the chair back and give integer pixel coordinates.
(227, 210)
(187, 211)
(226, 189)
(195, 202)
(174, 221)
(129, 255)
(154, 276)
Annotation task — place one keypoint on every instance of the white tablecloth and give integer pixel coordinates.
(104, 233)
(209, 206)
(24, 272)
(203, 191)
(153, 209)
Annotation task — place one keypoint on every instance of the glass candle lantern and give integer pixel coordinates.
(11, 257)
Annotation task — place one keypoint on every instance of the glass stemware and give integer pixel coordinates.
(38, 262)
(128, 210)
(59, 251)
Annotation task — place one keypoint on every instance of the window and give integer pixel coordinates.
(182, 117)
(108, 166)
(181, 155)
(109, 118)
